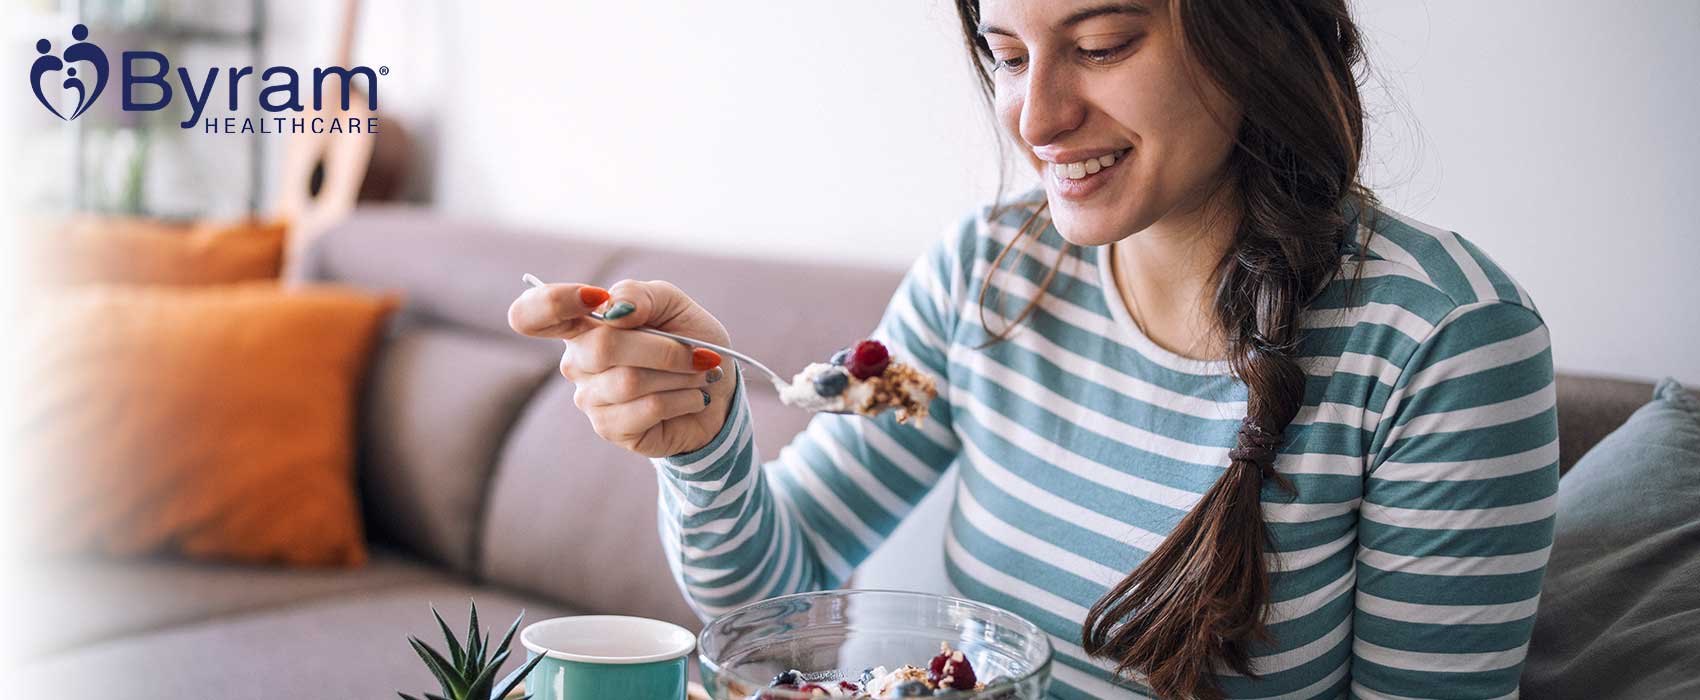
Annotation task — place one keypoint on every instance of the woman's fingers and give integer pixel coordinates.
(556, 310)
(641, 391)
(625, 384)
(600, 349)
(626, 423)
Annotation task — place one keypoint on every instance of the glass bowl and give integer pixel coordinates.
(835, 635)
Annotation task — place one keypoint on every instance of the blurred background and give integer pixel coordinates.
(1557, 136)
(802, 147)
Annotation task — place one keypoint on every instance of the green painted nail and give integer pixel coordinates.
(704, 396)
(620, 309)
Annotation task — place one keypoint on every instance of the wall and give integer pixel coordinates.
(1560, 137)
(1556, 135)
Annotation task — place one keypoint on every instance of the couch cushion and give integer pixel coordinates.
(134, 250)
(572, 517)
(351, 646)
(456, 271)
(81, 601)
(213, 421)
(439, 404)
(1620, 607)
(1589, 408)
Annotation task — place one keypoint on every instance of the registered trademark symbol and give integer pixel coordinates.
(383, 70)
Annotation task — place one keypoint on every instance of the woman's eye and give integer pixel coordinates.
(1105, 55)
(1011, 64)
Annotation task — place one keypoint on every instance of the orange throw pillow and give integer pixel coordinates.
(122, 250)
(213, 422)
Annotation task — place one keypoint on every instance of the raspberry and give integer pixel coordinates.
(869, 359)
(950, 669)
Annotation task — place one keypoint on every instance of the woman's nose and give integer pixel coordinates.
(1052, 106)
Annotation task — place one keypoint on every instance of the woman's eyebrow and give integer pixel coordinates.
(1080, 15)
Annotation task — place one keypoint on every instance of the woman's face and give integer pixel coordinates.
(1101, 98)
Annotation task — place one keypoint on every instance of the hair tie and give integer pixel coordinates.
(1257, 446)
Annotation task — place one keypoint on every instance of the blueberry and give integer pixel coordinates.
(911, 689)
(831, 382)
(866, 677)
(841, 357)
(791, 678)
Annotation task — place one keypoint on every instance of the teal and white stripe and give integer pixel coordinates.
(1425, 457)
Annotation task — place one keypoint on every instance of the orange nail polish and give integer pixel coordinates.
(704, 359)
(592, 296)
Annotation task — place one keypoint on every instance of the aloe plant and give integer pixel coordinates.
(469, 673)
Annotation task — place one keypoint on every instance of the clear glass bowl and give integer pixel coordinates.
(834, 635)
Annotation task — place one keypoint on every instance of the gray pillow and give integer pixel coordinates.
(1620, 609)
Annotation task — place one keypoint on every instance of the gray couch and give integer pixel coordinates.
(480, 479)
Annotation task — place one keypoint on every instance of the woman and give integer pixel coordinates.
(1246, 434)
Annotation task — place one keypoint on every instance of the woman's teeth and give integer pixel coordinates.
(1078, 170)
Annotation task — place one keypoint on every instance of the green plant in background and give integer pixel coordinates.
(469, 673)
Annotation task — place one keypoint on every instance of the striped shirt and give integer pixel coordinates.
(1425, 458)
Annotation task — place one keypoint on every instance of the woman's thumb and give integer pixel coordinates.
(656, 304)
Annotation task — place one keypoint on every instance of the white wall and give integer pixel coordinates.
(1562, 138)
(1557, 135)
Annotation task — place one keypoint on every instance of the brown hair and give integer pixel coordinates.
(1198, 603)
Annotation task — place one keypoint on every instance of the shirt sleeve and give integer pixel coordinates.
(737, 530)
(1458, 511)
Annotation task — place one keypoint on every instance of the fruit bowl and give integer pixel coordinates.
(831, 636)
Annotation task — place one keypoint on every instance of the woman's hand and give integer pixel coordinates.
(651, 395)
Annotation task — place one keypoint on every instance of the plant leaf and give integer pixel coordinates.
(473, 651)
(405, 696)
(455, 654)
(452, 683)
(472, 626)
(525, 671)
(509, 637)
(480, 686)
(474, 642)
(429, 696)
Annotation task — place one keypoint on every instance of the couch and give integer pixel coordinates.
(480, 479)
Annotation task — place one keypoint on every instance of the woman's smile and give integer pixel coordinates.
(1079, 177)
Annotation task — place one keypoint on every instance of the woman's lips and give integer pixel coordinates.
(1079, 180)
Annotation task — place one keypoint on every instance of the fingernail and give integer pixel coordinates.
(715, 374)
(703, 358)
(620, 309)
(704, 396)
(592, 297)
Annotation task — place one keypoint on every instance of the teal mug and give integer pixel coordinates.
(607, 657)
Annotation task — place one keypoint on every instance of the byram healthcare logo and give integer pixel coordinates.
(144, 86)
(82, 51)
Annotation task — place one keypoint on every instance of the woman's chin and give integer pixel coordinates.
(1089, 230)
